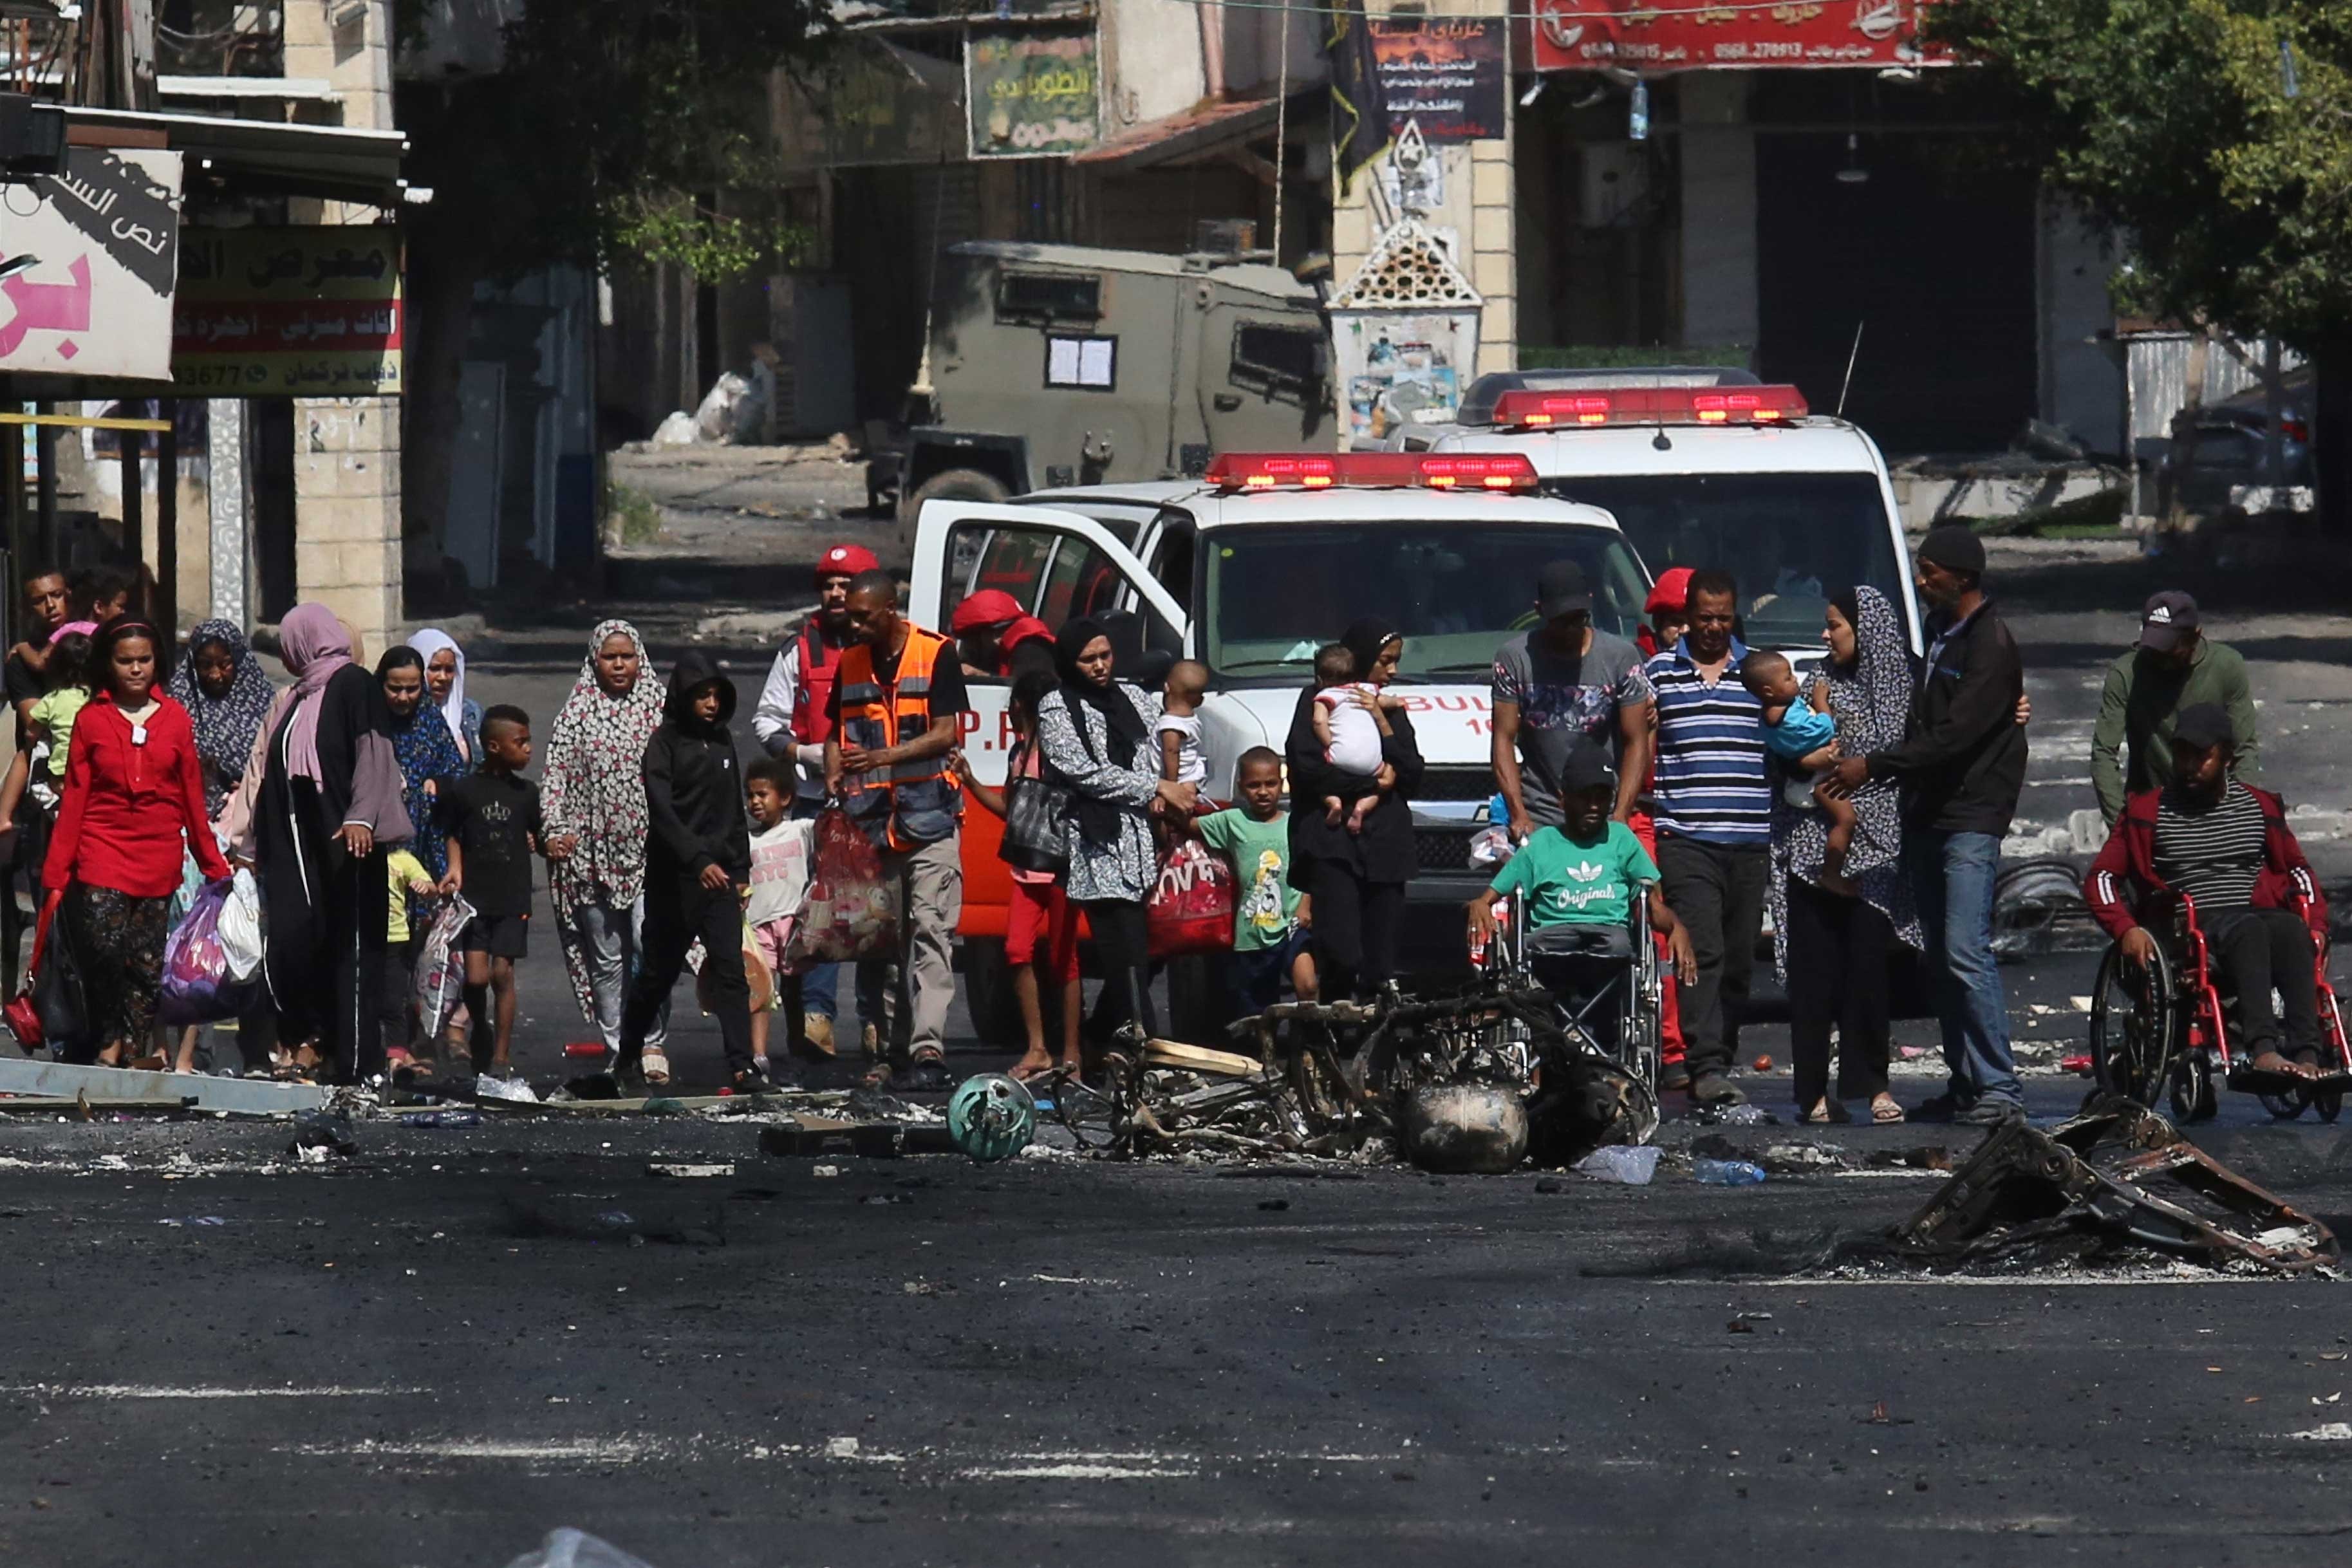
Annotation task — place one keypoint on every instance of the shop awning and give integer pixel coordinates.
(331, 163)
(1204, 129)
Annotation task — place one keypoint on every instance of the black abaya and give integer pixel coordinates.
(323, 951)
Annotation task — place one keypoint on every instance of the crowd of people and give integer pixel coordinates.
(1863, 805)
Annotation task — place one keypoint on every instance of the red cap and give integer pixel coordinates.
(1672, 592)
(846, 561)
(986, 609)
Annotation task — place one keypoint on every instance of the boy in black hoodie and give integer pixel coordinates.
(698, 861)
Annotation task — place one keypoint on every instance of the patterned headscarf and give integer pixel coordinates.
(594, 785)
(593, 789)
(1871, 700)
(427, 752)
(225, 727)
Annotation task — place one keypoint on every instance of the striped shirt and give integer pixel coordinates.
(1710, 774)
(2215, 855)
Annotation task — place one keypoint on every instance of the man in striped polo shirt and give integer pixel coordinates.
(1713, 815)
(2226, 845)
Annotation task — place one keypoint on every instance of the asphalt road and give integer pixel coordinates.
(220, 1359)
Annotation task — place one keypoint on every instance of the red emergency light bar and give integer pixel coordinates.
(1650, 405)
(1499, 471)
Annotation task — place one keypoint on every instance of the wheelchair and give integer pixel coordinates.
(1595, 1043)
(2165, 1030)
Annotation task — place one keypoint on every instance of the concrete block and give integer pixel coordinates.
(1490, 179)
(1351, 236)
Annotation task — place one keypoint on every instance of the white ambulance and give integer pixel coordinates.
(1249, 571)
(1706, 468)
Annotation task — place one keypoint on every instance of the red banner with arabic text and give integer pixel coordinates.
(1681, 35)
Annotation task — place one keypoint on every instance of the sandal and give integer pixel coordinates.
(1885, 1109)
(652, 1066)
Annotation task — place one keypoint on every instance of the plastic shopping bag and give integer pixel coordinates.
(240, 926)
(1191, 910)
(849, 914)
(441, 968)
(198, 986)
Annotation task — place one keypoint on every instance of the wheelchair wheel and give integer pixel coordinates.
(2286, 1107)
(2193, 1098)
(2132, 1027)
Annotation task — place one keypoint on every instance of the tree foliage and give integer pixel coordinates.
(611, 125)
(2214, 136)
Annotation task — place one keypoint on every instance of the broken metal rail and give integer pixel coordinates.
(2119, 1170)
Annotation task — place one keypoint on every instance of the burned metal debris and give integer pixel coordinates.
(1470, 1082)
(2117, 1174)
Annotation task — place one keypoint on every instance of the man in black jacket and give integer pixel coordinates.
(1961, 763)
(697, 857)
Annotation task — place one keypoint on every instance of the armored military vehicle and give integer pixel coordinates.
(1052, 365)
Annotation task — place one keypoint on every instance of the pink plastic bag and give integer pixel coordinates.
(199, 988)
(849, 913)
(1191, 910)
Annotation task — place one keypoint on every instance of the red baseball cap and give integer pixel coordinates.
(986, 609)
(1672, 592)
(846, 561)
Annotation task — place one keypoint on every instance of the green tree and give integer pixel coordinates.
(609, 131)
(2214, 136)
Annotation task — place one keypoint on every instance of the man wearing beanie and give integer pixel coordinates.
(2173, 667)
(1961, 764)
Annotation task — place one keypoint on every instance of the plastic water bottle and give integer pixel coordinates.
(1726, 1172)
(1632, 1164)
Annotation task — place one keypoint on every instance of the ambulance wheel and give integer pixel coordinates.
(988, 992)
(1197, 1010)
(948, 484)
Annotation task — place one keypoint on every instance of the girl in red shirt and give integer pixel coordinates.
(134, 799)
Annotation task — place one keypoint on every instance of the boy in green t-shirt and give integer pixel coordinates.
(1576, 881)
(1270, 917)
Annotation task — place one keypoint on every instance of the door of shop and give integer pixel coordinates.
(1932, 253)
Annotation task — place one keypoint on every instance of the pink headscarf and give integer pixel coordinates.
(313, 645)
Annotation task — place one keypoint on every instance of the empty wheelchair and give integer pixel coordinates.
(2165, 1031)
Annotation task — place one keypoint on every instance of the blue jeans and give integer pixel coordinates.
(1953, 875)
(821, 987)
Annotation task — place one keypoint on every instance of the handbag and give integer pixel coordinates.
(24, 1019)
(1034, 810)
(59, 1000)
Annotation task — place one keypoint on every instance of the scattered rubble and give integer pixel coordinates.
(2117, 1176)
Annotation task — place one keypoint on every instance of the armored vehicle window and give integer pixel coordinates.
(1292, 358)
(1048, 297)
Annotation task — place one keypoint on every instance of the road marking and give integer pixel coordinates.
(2013, 1282)
(1073, 1472)
(582, 1450)
(2333, 1432)
(142, 1391)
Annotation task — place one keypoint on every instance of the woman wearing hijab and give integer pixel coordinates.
(425, 750)
(133, 806)
(591, 797)
(1835, 933)
(1357, 880)
(444, 681)
(329, 803)
(1095, 734)
(226, 693)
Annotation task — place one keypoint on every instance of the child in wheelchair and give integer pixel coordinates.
(1577, 882)
(2226, 847)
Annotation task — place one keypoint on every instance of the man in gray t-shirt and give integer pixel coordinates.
(1563, 682)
